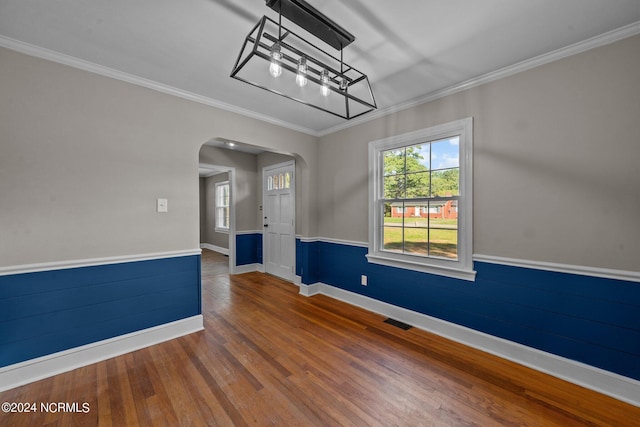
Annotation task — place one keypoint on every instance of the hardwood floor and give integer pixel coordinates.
(269, 356)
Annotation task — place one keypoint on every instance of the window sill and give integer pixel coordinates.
(456, 273)
(221, 230)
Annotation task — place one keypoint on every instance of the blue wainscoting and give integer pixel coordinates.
(248, 248)
(307, 262)
(587, 319)
(51, 311)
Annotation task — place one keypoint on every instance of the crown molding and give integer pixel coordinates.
(582, 46)
(81, 64)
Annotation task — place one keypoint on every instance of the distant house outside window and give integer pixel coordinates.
(420, 196)
(222, 207)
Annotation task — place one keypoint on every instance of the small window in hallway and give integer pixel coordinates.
(222, 206)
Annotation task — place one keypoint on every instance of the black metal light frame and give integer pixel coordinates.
(358, 96)
(313, 21)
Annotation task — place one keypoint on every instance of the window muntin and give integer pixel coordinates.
(279, 181)
(421, 183)
(420, 191)
(222, 206)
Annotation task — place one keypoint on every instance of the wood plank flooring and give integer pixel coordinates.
(269, 356)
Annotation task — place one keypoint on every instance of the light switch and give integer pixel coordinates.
(162, 205)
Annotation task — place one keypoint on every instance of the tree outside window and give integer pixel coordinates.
(419, 180)
(421, 200)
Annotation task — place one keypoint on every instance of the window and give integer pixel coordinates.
(222, 207)
(420, 200)
(279, 182)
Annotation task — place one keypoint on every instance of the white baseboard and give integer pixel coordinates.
(310, 290)
(248, 268)
(605, 382)
(53, 364)
(219, 249)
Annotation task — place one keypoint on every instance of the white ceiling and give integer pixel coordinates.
(408, 48)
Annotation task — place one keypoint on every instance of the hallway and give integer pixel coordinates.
(213, 264)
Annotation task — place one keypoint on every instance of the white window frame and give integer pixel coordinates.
(219, 228)
(462, 268)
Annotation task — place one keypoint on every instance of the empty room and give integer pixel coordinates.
(320, 212)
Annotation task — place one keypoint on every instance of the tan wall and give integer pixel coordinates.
(83, 159)
(556, 152)
(245, 197)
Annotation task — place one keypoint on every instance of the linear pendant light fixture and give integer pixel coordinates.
(276, 59)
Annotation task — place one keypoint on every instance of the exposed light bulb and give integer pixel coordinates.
(324, 78)
(301, 76)
(344, 83)
(275, 69)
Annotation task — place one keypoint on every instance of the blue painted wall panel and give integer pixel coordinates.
(39, 324)
(30, 283)
(79, 296)
(599, 288)
(248, 249)
(587, 319)
(300, 264)
(74, 337)
(307, 261)
(46, 312)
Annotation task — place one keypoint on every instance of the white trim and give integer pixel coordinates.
(81, 64)
(249, 268)
(469, 275)
(215, 248)
(462, 267)
(248, 232)
(574, 49)
(631, 276)
(218, 228)
(582, 46)
(90, 262)
(53, 364)
(310, 290)
(307, 239)
(344, 242)
(331, 240)
(599, 380)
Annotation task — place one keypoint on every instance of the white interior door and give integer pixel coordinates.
(279, 220)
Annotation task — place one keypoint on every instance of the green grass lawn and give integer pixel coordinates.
(443, 242)
(448, 224)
